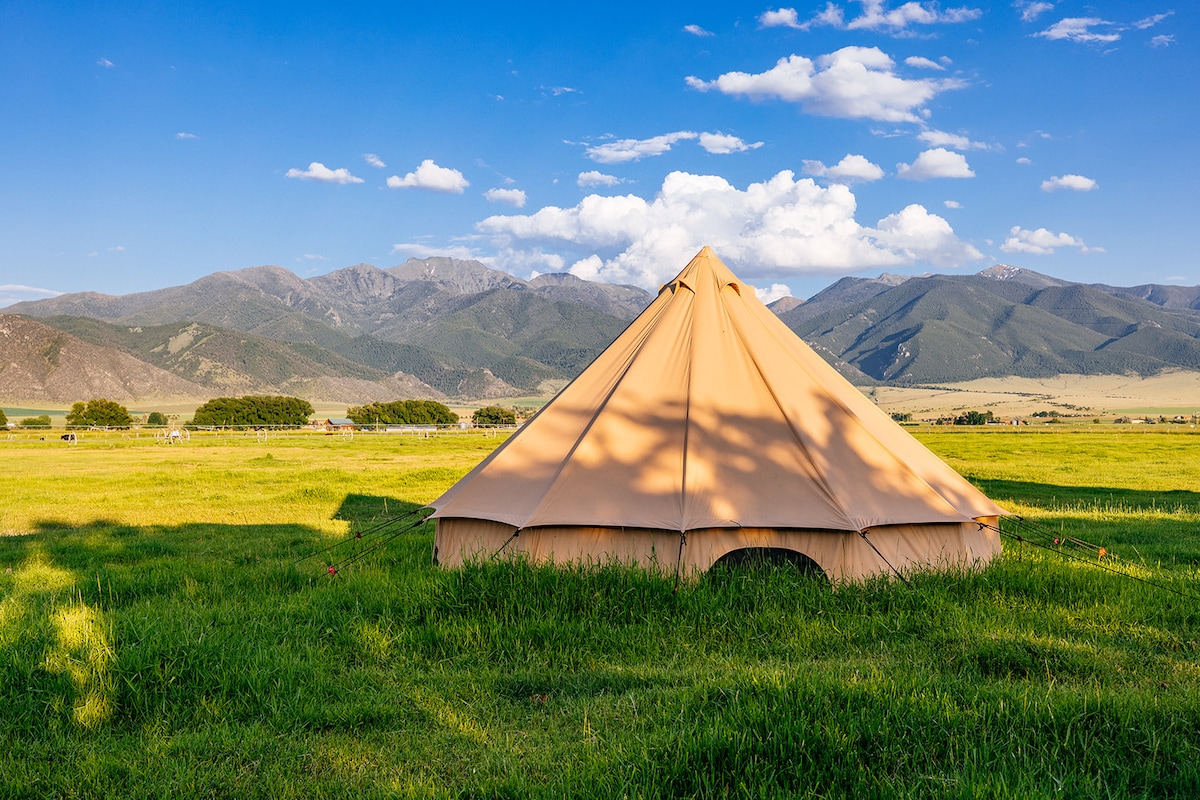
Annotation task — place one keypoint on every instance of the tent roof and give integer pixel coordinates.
(707, 411)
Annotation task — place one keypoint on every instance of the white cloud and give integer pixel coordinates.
(1162, 40)
(777, 228)
(15, 293)
(322, 174)
(314, 257)
(104, 62)
(1024, 160)
(622, 150)
(952, 204)
(1150, 22)
(853, 83)
(1042, 242)
(1031, 10)
(431, 177)
(1079, 29)
(936, 163)
(779, 18)
(374, 160)
(935, 138)
(777, 291)
(418, 250)
(876, 17)
(558, 91)
(1076, 183)
(723, 143)
(696, 30)
(182, 135)
(920, 62)
(596, 178)
(512, 197)
(850, 169)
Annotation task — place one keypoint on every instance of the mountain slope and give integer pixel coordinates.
(41, 362)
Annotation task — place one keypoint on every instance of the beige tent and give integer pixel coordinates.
(708, 427)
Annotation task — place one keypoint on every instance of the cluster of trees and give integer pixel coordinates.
(254, 411)
(494, 415)
(99, 413)
(36, 423)
(402, 412)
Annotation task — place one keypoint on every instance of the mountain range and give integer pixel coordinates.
(443, 328)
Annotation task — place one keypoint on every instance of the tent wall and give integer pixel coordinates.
(845, 557)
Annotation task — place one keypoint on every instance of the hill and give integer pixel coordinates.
(1002, 321)
(448, 328)
(436, 327)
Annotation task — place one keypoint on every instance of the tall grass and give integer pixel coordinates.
(179, 649)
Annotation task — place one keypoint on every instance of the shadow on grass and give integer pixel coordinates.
(1099, 498)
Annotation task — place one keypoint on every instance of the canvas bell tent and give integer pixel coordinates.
(706, 429)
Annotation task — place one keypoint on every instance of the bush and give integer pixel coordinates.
(157, 419)
(100, 413)
(403, 412)
(494, 415)
(41, 422)
(3, 418)
(254, 411)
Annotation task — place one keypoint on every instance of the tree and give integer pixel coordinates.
(157, 419)
(99, 413)
(35, 422)
(494, 415)
(974, 418)
(254, 411)
(403, 412)
(3, 418)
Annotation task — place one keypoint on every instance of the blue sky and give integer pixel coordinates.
(149, 144)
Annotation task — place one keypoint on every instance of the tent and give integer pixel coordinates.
(708, 428)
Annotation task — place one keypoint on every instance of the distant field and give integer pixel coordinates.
(1087, 395)
(160, 636)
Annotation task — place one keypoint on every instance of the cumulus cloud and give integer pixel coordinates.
(779, 18)
(852, 168)
(852, 83)
(1042, 242)
(775, 292)
(595, 177)
(920, 62)
(952, 204)
(512, 197)
(374, 160)
(1031, 10)
(622, 150)
(876, 17)
(778, 228)
(1024, 160)
(696, 30)
(1079, 29)
(723, 143)
(1076, 183)
(942, 139)
(431, 177)
(936, 163)
(322, 174)
(419, 250)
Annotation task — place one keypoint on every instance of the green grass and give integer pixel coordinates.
(158, 638)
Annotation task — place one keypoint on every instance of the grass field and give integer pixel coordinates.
(158, 639)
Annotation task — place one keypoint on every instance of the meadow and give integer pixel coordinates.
(166, 630)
